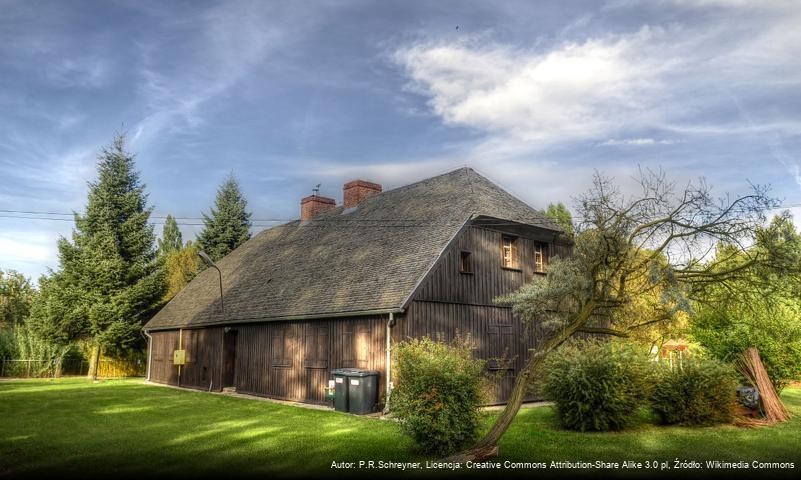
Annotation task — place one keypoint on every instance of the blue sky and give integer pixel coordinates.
(534, 95)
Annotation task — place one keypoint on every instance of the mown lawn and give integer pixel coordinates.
(118, 428)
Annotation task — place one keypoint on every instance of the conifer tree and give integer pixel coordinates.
(171, 239)
(109, 281)
(228, 226)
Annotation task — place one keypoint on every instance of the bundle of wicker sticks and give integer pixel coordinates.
(750, 366)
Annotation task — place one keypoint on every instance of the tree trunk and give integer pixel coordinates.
(487, 447)
(94, 362)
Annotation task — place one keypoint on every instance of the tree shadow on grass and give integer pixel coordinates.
(75, 428)
(135, 429)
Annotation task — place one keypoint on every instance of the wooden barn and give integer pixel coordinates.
(339, 286)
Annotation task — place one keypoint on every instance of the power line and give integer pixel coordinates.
(71, 214)
(361, 222)
(322, 223)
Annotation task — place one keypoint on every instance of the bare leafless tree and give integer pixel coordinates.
(663, 240)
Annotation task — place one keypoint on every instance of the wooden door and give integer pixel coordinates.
(315, 361)
(229, 358)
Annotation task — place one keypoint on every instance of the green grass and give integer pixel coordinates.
(125, 427)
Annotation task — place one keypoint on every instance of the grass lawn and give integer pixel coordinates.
(125, 427)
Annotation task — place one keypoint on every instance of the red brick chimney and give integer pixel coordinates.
(356, 191)
(314, 204)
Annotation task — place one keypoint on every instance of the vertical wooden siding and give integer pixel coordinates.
(203, 358)
(450, 302)
(203, 350)
(293, 360)
(290, 360)
(161, 368)
(497, 336)
(489, 279)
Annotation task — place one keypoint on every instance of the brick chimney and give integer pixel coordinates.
(314, 204)
(356, 191)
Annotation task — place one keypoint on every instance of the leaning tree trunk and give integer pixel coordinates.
(94, 362)
(487, 447)
(57, 366)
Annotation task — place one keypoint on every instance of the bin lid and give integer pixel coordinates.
(358, 372)
(354, 372)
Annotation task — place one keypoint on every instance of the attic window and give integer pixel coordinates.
(540, 257)
(509, 252)
(465, 262)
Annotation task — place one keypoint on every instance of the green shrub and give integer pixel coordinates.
(7, 343)
(23, 343)
(439, 389)
(699, 392)
(597, 385)
(776, 333)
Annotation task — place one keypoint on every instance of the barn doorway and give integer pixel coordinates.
(229, 357)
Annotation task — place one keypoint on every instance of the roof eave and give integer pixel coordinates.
(311, 316)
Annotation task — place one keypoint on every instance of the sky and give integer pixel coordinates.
(535, 95)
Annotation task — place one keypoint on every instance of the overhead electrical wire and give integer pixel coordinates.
(258, 222)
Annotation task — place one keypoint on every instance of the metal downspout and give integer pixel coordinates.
(390, 323)
(149, 352)
(180, 347)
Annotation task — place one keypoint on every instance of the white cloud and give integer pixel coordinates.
(657, 77)
(230, 42)
(575, 91)
(29, 252)
(760, 5)
(90, 72)
(48, 168)
(658, 85)
(22, 249)
(636, 142)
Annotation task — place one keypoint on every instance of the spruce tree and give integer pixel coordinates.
(171, 239)
(228, 226)
(109, 281)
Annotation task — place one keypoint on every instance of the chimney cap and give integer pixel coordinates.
(362, 183)
(319, 199)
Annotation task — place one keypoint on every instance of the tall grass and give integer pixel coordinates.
(44, 358)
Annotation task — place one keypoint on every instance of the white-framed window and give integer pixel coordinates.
(509, 252)
(540, 257)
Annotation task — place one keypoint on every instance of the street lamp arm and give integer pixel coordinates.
(208, 261)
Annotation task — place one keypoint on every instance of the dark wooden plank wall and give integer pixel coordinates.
(289, 360)
(203, 350)
(493, 331)
(161, 368)
(489, 278)
(293, 360)
(450, 302)
(203, 358)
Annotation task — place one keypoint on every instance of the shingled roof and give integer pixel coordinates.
(367, 259)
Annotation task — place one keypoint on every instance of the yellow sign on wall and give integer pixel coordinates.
(179, 357)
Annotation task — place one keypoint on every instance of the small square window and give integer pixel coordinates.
(465, 262)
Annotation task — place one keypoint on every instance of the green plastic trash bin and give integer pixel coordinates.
(340, 389)
(362, 391)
